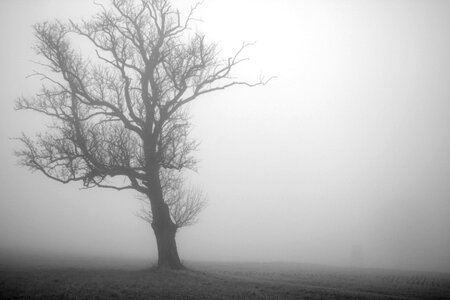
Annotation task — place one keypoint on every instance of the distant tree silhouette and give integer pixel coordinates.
(119, 115)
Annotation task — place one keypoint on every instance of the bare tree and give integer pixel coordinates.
(122, 113)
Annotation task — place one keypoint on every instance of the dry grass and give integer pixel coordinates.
(222, 281)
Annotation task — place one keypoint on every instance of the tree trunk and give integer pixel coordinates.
(167, 247)
(164, 229)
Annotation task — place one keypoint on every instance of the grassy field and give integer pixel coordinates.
(221, 281)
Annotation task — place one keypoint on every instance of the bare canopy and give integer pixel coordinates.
(122, 114)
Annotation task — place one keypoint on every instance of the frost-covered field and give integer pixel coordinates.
(221, 281)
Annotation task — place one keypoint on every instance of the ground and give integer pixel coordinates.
(221, 281)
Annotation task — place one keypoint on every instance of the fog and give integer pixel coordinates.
(343, 159)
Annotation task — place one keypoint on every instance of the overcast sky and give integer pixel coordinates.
(348, 147)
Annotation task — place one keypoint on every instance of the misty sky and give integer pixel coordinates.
(349, 146)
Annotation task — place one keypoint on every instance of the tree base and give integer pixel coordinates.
(167, 248)
(172, 267)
